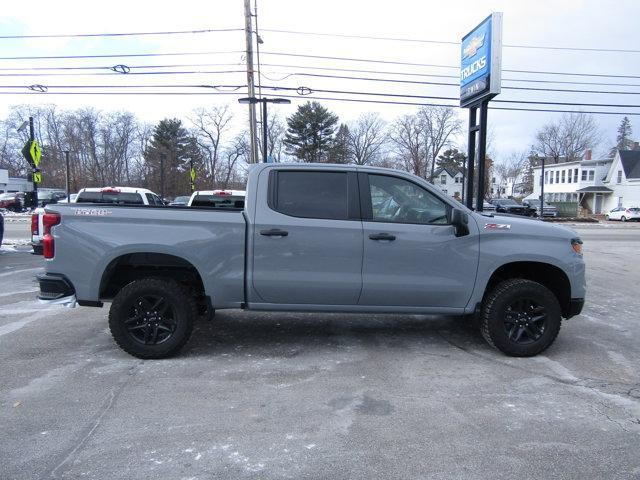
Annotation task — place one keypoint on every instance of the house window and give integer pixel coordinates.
(551, 177)
(443, 179)
(584, 176)
(493, 180)
(619, 202)
(592, 174)
(557, 176)
(563, 175)
(546, 177)
(619, 176)
(575, 175)
(457, 179)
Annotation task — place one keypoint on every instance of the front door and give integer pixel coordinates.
(308, 242)
(598, 206)
(411, 254)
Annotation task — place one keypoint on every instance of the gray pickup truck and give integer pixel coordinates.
(314, 238)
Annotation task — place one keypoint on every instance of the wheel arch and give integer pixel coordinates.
(128, 267)
(551, 276)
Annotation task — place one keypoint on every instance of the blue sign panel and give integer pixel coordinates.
(480, 61)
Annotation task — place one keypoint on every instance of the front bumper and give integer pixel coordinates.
(54, 287)
(575, 307)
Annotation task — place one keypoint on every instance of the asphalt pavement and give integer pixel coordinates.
(324, 396)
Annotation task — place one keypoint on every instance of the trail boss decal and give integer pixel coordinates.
(92, 212)
(497, 226)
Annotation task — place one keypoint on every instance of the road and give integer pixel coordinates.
(324, 396)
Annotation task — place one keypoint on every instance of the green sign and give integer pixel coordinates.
(32, 152)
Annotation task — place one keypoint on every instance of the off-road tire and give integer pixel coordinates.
(494, 311)
(184, 311)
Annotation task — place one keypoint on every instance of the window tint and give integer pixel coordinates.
(397, 200)
(312, 194)
(117, 198)
(150, 199)
(218, 201)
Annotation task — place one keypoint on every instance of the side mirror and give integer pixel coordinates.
(460, 221)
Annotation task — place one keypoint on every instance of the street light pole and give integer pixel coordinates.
(66, 161)
(264, 101)
(264, 131)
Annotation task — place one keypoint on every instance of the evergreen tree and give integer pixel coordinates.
(340, 151)
(310, 132)
(171, 149)
(623, 140)
(452, 159)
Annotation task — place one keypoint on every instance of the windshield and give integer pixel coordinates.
(505, 201)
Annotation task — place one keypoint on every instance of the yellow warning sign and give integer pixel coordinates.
(37, 177)
(36, 153)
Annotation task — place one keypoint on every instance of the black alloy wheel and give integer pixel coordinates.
(151, 320)
(152, 317)
(525, 321)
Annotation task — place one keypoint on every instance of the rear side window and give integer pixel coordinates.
(218, 201)
(312, 194)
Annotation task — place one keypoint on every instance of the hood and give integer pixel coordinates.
(522, 226)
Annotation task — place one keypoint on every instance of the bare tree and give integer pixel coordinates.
(233, 154)
(569, 137)
(366, 139)
(211, 124)
(511, 168)
(276, 129)
(408, 139)
(440, 124)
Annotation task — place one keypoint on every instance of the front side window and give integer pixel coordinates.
(312, 194)
(396, 200)
(150, 199)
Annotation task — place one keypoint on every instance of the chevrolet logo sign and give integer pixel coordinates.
(472, 47)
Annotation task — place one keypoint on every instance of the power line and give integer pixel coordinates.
(80, 74)
(430, 97)
(445, 42)
(126, 34)
(416, 82)
(58, 57)
(392, 62)
(312, 97)
(103, 67)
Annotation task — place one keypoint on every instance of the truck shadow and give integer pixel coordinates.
(288, 334)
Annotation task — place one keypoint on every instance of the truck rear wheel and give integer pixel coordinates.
(152, 318)
(521, 318)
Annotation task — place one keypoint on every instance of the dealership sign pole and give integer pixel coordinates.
(480, 79)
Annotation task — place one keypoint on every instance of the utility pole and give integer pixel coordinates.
(250, 81)
(66, 161)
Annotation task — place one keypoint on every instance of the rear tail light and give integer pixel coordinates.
(34, 224)
(49, 220)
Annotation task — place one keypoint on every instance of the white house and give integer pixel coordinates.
(11, 184)
(623, 179)
(449, 180)
(592, 183)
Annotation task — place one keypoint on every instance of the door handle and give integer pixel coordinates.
(274, 232)
(382, 236)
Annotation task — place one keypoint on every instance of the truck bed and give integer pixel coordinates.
(92, 237)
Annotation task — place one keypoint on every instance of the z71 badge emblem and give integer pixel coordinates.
(497, 226)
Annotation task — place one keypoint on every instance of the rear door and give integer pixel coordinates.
(307, 245)
(412, 257)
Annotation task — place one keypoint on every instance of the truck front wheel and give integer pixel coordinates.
(521, 318)
(152, 317)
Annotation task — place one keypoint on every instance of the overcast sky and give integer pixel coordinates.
(584, 24)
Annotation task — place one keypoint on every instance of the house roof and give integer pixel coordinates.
(451, 171)
(594, 189)
(630, 160)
